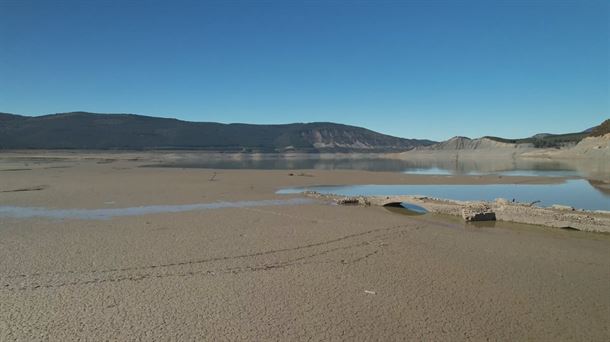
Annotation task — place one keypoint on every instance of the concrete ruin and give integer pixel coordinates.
(500, 209)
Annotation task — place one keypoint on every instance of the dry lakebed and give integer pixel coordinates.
(93, 246)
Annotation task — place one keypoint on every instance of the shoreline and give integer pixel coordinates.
(89, 183)
(109, 181)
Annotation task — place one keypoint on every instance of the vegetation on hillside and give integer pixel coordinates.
(602, 129)
(81, 130)
(546, 141)
(558, 140)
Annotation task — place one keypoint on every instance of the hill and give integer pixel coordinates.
(601, 130)
(82, 130)
(546, 140)
(540, 140)
(464, 143)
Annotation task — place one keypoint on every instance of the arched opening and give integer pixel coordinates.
(405, 208)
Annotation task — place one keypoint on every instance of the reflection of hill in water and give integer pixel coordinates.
(475, 166)
(596, 170)
(603, 187)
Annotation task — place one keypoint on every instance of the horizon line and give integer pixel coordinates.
(288, 123)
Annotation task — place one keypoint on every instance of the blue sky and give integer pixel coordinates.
(417, 69)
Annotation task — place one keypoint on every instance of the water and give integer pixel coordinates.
(433, 170)
(406, 209)
(281, 162)
(426, 166)
(107, 213)
(531, 173)
(577, 193)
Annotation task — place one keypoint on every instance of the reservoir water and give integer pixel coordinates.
(577, 193)
(427, 166)
(586, 186)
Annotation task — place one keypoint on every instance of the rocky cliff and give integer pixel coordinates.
(464, 143)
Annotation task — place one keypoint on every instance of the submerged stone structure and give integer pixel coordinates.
(478, 213)
(500, 209)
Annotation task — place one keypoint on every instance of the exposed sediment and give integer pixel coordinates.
(504, 210)
(278, 272)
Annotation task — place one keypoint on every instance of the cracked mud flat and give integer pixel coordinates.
(299, 272)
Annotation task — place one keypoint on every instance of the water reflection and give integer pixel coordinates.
(598, 170)
(107, 213)
(603, 187)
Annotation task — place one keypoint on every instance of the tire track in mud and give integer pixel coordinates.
(241, 264)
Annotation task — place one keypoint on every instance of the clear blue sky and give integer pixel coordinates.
(422, 69)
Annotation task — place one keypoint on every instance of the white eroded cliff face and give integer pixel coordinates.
(464, 143)
(593, 147)
(341, 138)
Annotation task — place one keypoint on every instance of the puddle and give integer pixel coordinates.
(405, 208)
(437, 171)
(104, 214)
(528, 173)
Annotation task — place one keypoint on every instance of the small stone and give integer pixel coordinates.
(348, 201)
(502, 201)
(562, 207)
(354, 201)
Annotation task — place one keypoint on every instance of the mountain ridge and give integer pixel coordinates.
(540, 140)
(85, 130)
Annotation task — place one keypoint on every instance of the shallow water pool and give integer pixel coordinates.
(577, 193)
(107, 213)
